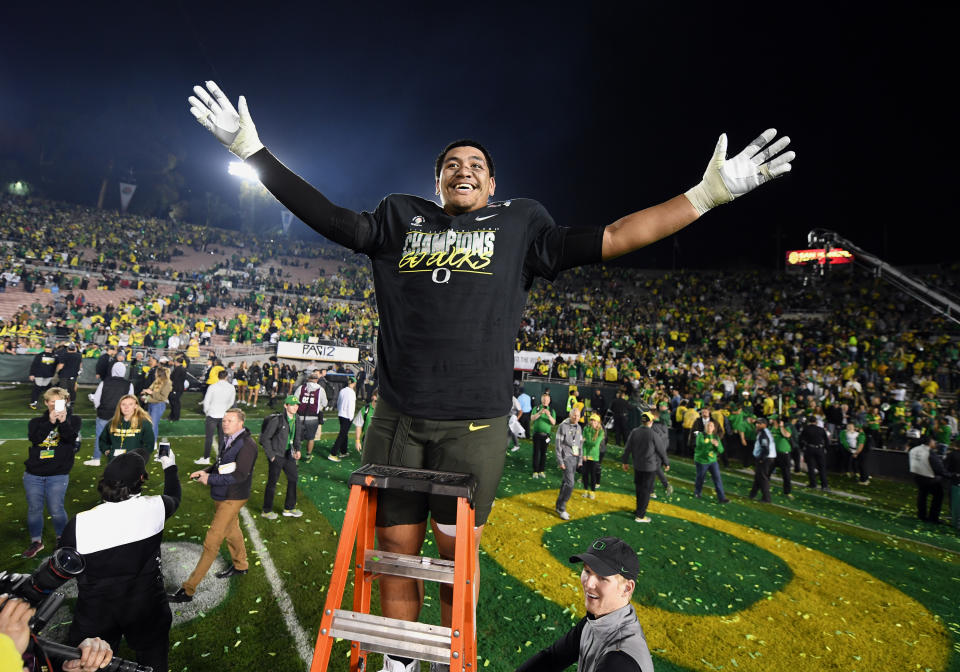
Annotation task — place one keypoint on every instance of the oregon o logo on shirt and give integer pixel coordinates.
(827, 615)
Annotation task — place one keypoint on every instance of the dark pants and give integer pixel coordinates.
(591, 474)
(540, 451)
(212, 426)
(143, 618)
(174, 401)
(846, 461)
(340, 445)
(782, 461)
(620, 429)
(861, 464)
(761, 478)
(929, 487)
(70, 385)
(37, 391)
(643, 484)
(816, 463)
(288, 466)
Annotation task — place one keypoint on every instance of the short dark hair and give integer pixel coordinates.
(465, 142)
(118, 491)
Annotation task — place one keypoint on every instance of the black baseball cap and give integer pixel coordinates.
(128, 469)
(610, 555)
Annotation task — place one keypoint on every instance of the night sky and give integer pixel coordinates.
(594, 109)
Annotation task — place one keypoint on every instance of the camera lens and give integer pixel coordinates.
(68, 561)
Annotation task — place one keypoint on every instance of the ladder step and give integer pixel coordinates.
(393, 636)
(442, 483)
(410, 566)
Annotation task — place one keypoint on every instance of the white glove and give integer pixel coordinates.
(217, 114)
(167, 460)
(725, 180)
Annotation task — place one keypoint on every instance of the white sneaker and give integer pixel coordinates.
(515, 449)
(391, 665)
(202, 460)
(563, 515)
(95, 462)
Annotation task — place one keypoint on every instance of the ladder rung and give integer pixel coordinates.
(442, 483)
(410, 566)
(393, 636)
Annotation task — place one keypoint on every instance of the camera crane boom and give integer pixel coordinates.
(912, 287)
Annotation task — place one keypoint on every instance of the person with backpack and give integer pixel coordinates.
(281, 435)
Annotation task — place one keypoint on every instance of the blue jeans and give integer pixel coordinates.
(156, 410)
(714, 470)
(101, 424)
(50, 490)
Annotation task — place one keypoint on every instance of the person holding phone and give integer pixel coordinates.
(130, 429)
(53, 444)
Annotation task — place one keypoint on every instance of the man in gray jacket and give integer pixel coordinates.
(567, 446)
(609, 637)
(648, 450)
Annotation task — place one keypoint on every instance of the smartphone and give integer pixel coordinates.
(59, 405)
(164, 448)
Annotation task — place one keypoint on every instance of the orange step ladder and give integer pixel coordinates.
(456, 645)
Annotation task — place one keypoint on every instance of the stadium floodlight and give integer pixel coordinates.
(243, 171)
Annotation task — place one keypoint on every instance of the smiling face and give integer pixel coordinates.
(603, 594)
(464, 183)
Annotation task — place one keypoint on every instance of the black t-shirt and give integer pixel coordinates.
(450, 290)
(71, 364)
(450, 293)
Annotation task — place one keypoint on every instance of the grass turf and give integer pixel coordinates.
(708, 598)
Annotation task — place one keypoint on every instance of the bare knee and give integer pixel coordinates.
(406, 539)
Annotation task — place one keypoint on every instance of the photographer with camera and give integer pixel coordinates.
(121, 592)
(53, 444)
(15, 638)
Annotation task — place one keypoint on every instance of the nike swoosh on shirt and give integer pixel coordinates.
(474, 427)
(480, 219)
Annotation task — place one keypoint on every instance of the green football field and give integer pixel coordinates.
(846, 581)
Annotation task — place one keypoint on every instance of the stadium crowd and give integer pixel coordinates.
(718, 359)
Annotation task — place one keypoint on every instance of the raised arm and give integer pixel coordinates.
(723, 181)
(235, 129)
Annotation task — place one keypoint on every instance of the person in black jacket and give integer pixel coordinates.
(621, 412)
(68, 369)
(120, 593)
(53, 443)
(106, 361)
(814, 442)
(229, 478)
(648, 451)
(281, 438)
(42, 369)
(178, 378)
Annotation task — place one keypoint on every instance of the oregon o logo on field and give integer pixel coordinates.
(828, 615)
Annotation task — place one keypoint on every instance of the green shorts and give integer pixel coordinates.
(475, 447)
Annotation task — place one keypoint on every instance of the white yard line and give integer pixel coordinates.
(283, 599)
